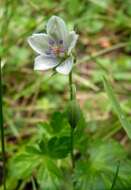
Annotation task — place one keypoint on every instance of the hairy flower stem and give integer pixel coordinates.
(2, 132)
(72, 129)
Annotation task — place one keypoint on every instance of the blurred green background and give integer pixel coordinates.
(30, 97)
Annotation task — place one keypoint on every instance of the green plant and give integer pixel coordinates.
(51, 142)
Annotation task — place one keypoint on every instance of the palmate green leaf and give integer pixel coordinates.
(22, 165)
(49, 175)
(58, 126)
(98, 171)
(33, 150)
(54, 137)
(59, 147)
(43, 147)
(44, 130)
(121, 115)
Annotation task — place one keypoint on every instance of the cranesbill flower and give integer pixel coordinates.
(54, 47)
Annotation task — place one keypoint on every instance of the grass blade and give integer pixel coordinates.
(116, 175)
(2, 131)
(33, 183)
(117, 108)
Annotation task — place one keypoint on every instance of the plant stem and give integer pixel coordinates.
(72, 148)
(72, 129)
(2, 132)
(70, 84)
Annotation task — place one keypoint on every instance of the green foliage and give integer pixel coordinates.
(125, 123)
(49, 176)
(58, 126)
(59, 147)
(22, 165)
(38, 147)
(97, 171)
(58, 123)
(95, 168)
(116, 175)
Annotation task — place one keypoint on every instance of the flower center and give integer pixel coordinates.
(56, 48)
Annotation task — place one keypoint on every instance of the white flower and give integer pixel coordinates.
(55, 47)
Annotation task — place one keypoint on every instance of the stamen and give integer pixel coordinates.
(56, 50)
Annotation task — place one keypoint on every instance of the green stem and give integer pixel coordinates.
(72, 129)
(2, 132)
(70, 84)
(72, 148)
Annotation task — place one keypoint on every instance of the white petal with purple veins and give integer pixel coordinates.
(39, 42)
(71, 41)
(56, 28)
(66, 66)
(44, 62)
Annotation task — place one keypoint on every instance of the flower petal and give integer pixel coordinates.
(71, 42)
(39, 42)
(56, 28)
(65, 67)
(43, 62)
